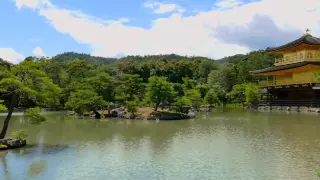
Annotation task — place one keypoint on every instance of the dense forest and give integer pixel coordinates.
(99, 81)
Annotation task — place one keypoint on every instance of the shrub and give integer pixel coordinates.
(183, 105)
(211, 98)
(132, 106)
(21, 134)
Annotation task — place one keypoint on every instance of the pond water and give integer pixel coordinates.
(224, 145)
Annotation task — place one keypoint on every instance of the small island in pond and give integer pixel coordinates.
(141, 113)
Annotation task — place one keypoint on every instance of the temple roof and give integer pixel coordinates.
(306, 39)
(283, 67)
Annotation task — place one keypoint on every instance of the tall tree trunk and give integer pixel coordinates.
(7, 120)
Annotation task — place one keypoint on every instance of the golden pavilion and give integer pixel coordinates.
(294, 79)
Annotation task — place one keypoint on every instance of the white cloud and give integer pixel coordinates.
(215, 33)
(38, 52)
(161, 8)
(225, 4)
(11, 55)
(32, 3)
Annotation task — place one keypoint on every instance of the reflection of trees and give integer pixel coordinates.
(3, 158)
(36, 168)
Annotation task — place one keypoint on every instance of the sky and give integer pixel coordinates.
(115, 28)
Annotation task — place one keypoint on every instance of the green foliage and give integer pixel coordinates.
(225, 77)
(179, 89)
(237, 95)
(69, 56)
(189, 83)
(246, 94)
(183, 105)
(203, 89)
(129, 87)
(2, 107)
(28, 82)
(132, 106)
(103, 84)
(205, 67)
(35, 116)
(85, 100)
(221, 93)
(211, 98)
(252, 95)
(195, 98)
(159, 91)
(21, 134)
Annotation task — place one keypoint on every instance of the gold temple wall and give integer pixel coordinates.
(298, 56)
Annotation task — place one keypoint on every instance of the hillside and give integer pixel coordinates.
(69, 56)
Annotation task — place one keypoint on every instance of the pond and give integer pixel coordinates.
(224, 144)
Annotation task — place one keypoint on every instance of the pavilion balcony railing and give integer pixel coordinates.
(287, 82)
(299, 57)
(308, 103)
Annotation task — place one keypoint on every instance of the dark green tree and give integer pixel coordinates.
(182, 105)
(26, 81)
(129, 87)
(212, 99)
(195, 98)
(159, 91)
(86, 100)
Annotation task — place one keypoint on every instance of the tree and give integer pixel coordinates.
(183, 105)
(211, 98)
(26, 81)
(203, 89)
(189, 83)
(195, 98)
(225, 77)
(238, 94)
(252, 95)
(86, 100)
(129, 87)
(132, 107)
(103, 84)
(205, 67)
(159, 91)
(221, 93)
(179, 89)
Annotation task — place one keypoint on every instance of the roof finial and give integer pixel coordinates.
(307, 31)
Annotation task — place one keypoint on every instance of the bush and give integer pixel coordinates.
(252, 95)
(211, 98)
(195, 98)
(183, 105)
(21, 134)
(132, 106)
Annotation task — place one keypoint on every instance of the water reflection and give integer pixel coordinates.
(5, 165)
(36, 168)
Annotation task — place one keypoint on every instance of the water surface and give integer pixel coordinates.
(225, 144)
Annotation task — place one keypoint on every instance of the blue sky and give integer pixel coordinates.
(137, 27)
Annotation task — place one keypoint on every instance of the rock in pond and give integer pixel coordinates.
(9, 143)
